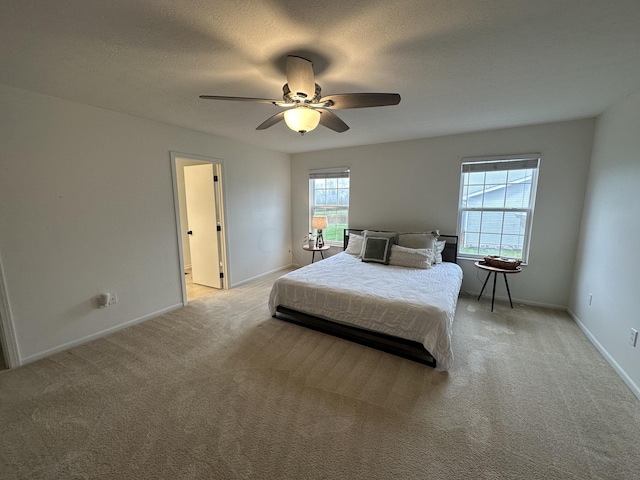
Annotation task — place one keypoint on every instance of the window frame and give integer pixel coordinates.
(493, 164)
(328, 173)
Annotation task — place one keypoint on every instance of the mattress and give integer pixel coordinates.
(409, 303)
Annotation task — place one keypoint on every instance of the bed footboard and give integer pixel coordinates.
(397, 346)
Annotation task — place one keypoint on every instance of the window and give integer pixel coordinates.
(495, 211)
(329, 196)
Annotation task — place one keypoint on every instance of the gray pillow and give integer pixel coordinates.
(418, 240)
(373, 233)
(376, 250)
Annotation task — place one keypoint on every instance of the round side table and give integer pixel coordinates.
(495, 271)
(322, 249)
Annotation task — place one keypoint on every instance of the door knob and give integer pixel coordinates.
(190, 232)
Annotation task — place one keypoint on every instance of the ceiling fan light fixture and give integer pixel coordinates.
(303, 105)
(302, 119)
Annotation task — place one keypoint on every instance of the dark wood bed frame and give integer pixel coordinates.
(387, 343)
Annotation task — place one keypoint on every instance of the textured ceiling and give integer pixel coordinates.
(459, 65)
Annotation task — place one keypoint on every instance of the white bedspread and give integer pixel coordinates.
(409, 303)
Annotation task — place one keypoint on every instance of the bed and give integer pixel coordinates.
(398, 309)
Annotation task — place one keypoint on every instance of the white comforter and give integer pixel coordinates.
(410, 303)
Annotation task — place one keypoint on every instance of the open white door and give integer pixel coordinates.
(203, 225)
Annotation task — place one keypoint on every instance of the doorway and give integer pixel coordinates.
(3, 364)
(9, 357)
(199, 205)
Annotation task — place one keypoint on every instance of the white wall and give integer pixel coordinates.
(86, 206)
(414, 185)
(608, 258)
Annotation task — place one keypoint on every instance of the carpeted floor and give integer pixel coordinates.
(219, 390)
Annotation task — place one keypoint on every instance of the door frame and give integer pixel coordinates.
(218, 165)
(7, 330)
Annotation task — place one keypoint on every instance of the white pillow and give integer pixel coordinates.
(411, 257)
(439, 248)
(355, 244)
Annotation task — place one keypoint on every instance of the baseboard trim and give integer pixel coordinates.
(515, 301)
(619, 370)
(257, 277)
(81, 341)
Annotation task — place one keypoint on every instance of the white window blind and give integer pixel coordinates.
(339, 172)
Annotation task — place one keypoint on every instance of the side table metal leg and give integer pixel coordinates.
(508, 292)
(484, 285)
(313, 257)
(493, 297)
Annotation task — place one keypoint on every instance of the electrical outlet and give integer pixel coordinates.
(113, 299)
(633, 337)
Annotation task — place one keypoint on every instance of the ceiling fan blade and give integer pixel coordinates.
(361, 100)
(300, 77)
(238, 99)
(332, 121)
(271, 120)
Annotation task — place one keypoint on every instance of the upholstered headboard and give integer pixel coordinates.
(450, 253)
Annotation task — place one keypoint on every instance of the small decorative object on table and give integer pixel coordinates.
(502, 262)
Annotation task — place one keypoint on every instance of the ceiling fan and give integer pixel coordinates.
(303, 106)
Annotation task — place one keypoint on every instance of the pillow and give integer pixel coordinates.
(411, 257)
(376, 249)
(440, 244)
(373, 233)
(418, 240)
(355, 244)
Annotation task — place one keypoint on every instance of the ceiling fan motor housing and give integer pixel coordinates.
(300, 97)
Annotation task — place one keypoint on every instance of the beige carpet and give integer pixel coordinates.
(220, 390)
